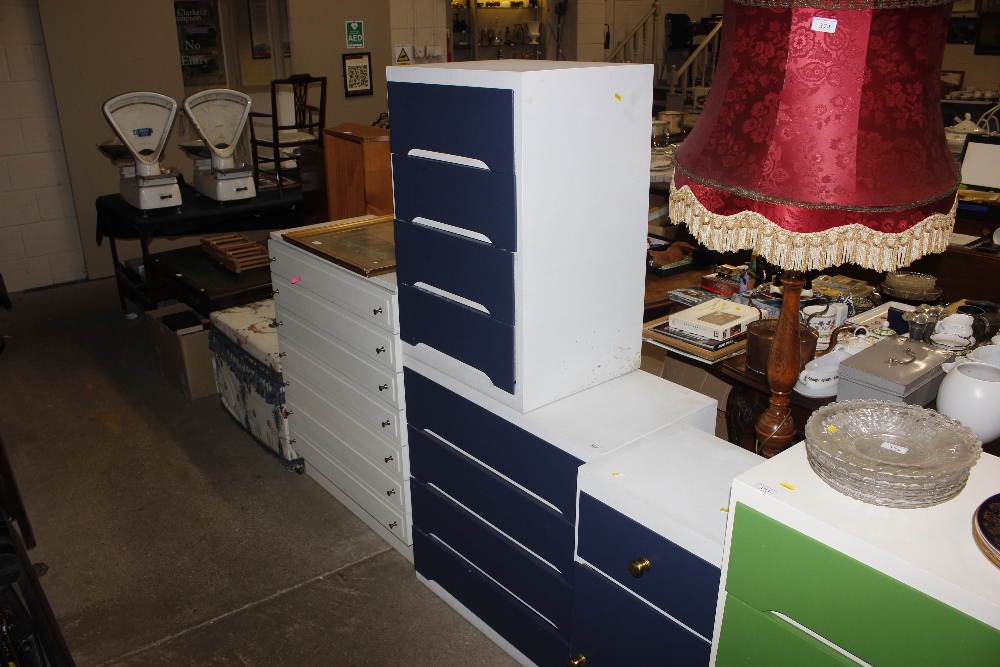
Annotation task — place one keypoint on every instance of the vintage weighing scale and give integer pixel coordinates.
(219, 117)
(142, 122)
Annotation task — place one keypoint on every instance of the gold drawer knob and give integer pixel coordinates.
(639, 566)
(578, 660)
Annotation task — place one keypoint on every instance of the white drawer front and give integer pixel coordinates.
(376, 344)
(388, 488)
(379, 381)
(328, 281)
(377, 415)
(337, 419)
(397, 522)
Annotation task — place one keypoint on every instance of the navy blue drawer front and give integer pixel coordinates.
(612, 627)
(467, 268)
(533, 463)
(678, 582)
(471, 336)
(537, 584)
(521, 516)
(465, 197)
(528, 633)
(455, 120)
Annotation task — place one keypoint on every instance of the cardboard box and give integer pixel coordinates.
(183, 359)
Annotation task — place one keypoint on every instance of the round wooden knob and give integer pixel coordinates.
(578, 660)
(639, 566)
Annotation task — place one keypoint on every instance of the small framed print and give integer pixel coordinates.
(962, 30)
(357, 74)
(963, 6)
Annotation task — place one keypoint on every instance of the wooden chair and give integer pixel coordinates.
(276, 137)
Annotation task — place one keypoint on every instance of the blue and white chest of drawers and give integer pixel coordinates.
(495, 495)
(521, 192)
(342, 364)
(651, 524)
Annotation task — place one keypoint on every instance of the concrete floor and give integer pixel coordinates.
(171, 537)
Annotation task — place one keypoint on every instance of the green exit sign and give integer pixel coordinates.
(355, 34)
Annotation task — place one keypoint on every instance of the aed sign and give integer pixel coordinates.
(355, 34)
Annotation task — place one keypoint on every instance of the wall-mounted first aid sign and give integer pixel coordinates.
(355, 34)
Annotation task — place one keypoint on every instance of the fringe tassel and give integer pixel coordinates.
(852, 244)
(265, 380)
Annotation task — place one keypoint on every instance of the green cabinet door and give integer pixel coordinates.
(865, 612)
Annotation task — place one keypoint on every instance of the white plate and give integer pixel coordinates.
(950, 342)
(813, 392)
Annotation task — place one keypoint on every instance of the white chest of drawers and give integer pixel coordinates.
(341, 357)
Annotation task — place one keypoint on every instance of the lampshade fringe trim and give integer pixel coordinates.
(850, 244)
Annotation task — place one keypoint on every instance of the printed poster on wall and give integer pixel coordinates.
(198, 36)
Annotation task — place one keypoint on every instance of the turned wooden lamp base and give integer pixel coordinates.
(776, 428)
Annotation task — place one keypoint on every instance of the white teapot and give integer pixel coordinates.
(959, 132)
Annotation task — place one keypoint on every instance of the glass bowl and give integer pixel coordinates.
(891, 441)
(908, 281)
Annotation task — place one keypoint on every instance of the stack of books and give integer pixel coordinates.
(712, 330)
(725, 280)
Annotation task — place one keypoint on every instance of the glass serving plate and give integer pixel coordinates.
(929, 295)
(894, 441)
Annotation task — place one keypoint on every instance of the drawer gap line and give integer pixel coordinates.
(494, 471)
(473, 565)
(500, 531)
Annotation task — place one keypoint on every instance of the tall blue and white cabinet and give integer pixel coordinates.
(521, 196)
(520, 199)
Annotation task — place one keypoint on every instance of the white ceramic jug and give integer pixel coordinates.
(970, 393)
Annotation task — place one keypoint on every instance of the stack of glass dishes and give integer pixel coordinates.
(890, 454)
(910, 286)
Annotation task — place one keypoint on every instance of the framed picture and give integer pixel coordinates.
(951, 81)
(357, 74)
(962, 30)
(988, 35)
(963, 6)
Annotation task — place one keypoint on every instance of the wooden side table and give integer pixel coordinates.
(749, 398)
(358, 171)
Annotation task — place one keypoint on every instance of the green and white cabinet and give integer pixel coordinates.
(812, 577)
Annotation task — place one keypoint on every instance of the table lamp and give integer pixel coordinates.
(821, 143)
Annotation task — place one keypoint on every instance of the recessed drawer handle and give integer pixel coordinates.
(445, 227)
(380, 350)
(639, 567)
(445, 294)
(448, 157)
(376, 311)
(386, 423)
(388, 458)
(383, 387)
(578, 660)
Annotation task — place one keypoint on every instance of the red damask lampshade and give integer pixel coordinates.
(822, 142)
